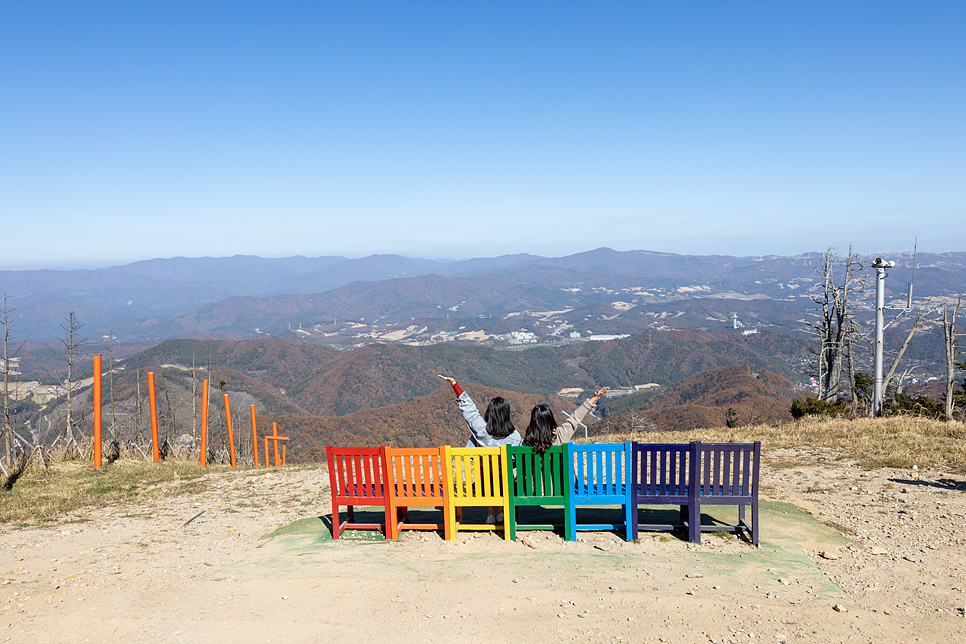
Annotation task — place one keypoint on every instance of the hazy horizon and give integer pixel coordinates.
(838, 249)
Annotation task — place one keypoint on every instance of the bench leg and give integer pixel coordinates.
(568, 522)
(754, 522)
(390, 519)
(450, 525)
(335, 520)
(630, 514)
(694, 523)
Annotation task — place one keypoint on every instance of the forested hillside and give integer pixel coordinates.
(390, 392)
(730, 395)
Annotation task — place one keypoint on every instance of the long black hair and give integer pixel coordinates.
(540, 431)
(497, 417)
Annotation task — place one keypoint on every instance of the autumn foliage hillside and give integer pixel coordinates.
(713, 398)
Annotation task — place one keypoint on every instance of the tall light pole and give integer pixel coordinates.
(880, 267)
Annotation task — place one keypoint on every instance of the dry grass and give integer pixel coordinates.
(898, 441)
(46, 495)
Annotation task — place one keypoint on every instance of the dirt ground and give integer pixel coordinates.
(878, 556)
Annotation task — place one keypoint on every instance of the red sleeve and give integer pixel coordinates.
(457, 389)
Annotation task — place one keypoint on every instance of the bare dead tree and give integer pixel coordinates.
(169, 414)
(835, 331)
(110, 380)
(73, 342)
(115, 446)
(137, 437)
(921, 321)
(8, 356)
(949, 342)
(194, 402)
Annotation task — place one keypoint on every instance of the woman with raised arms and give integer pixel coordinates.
(543, 430)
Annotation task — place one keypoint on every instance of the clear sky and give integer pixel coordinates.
(134, 130)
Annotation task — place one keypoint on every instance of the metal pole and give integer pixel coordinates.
(880, 275)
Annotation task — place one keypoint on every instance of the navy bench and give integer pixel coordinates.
(725, 474)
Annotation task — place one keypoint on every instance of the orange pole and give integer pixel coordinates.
(254, 437)
(267, 462)
(231, 436)
(275, 433)
(204, 422)
(97, 411)
(154, 416)
(283, 453)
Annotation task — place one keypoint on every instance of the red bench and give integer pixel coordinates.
(358, 477)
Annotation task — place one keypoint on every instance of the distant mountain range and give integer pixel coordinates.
(350, 302)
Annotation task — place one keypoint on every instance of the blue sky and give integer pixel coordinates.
(134, 130)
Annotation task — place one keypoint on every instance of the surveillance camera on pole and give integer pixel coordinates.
(880, 267)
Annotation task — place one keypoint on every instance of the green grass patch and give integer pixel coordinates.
(43, 496)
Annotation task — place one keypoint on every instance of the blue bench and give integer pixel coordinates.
(600, 474)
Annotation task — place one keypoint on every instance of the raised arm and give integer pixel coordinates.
(470, 413)
(566, 430)
(456, 386)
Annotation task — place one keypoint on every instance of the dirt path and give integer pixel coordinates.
(141, 575)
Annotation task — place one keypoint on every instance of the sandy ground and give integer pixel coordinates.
(890, 569)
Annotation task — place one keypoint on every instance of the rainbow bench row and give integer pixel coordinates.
(629, 475)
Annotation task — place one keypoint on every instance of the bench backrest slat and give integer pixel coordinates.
(727, 469)
(474, 473)
(659, 470)
(535, 475)
(415, 473)
(357, 472)
(599, 470)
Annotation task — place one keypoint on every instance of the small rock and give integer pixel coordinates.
(825, 554)
(530, 543)
(695, 575)
(783, 582)
(516, 580)
(839, 608)
(876, 550)
(605, 546)
(912, 558)
(284, 596)
(583, 614)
